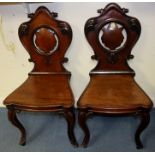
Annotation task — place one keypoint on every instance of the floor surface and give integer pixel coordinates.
(48, 132)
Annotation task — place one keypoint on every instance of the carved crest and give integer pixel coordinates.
(112, 36)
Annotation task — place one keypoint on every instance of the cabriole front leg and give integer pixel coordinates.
(13, 119)
(145, 119)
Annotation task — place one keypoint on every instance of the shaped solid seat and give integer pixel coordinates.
(114, 93)
(112, 89)
(47, 88)
(42, 91)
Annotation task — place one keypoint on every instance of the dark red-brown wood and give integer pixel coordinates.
(47, 87)
(112, 89)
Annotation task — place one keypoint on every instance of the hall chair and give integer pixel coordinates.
(112, 90)
(47, 87)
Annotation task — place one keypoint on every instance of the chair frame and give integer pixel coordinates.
(110, 64)
(41, 61)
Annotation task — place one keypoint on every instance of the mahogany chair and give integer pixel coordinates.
(47, 88)
(112, 90)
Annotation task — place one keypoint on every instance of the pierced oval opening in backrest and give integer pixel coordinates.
(46, 41)
(113, 36)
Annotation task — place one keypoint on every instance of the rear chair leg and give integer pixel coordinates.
(13, 119)
(145, 119)
(82, 117)
(70, 118)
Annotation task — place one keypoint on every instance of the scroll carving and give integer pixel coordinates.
(24, 29)
(65, 28)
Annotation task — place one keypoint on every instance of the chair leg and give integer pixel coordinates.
(70, 118)
(82, 117)
(13, 119)
(145, 119)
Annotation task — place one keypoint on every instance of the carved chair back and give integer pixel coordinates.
(112, 35)
(46, 40)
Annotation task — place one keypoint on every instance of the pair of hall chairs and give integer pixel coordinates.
(111, 91)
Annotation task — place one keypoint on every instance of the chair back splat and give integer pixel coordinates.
(46, 40)
(112, 36)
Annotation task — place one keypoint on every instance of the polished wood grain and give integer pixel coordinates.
(114, 93)
(45, 40)
(43, 91)
(112, 90)
(47, 87)
(112, 36)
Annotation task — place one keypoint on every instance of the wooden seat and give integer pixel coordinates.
(47, 88)
(112, 90)
(35, 92)
(110, 94)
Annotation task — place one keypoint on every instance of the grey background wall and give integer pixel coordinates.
(14, 64)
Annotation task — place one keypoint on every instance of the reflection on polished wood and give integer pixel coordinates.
(112, 90)
(47, 87)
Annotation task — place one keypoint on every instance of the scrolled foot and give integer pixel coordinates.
(22, 141)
